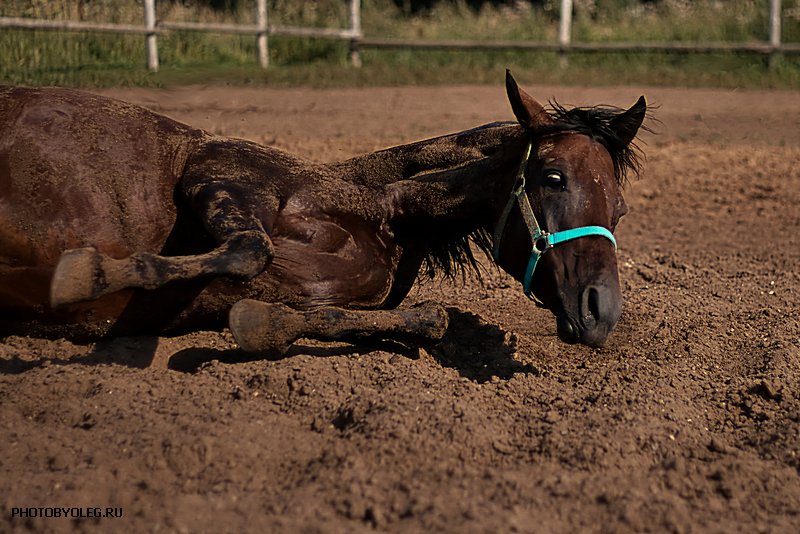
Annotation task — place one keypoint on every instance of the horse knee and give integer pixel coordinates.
(251, 253)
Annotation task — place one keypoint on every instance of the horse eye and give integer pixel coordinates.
(554, 178)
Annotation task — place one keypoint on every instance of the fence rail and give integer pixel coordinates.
(677, 46)
(262, 29)
(72, 26)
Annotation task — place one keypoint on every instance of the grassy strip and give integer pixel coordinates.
(383, 68)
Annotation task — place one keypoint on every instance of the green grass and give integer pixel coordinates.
(94, 59)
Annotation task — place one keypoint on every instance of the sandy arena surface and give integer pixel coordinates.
(687, 421)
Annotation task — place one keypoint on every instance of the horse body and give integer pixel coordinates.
(115, 220)
(116, 183)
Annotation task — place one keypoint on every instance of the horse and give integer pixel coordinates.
(115, 220)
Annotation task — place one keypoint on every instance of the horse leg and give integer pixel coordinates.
(270, 329)
(245, 250)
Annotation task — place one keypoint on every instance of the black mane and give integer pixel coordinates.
(598, 123)
(455, 257)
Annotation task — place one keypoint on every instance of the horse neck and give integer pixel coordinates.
(470, 182)
(460, 153)
(451, 204)
(443, 194)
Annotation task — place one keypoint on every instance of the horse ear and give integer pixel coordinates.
(528, 111)
(626, 124)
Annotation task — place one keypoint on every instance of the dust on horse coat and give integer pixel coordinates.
(116, 220)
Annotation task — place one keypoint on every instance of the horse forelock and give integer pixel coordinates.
(597, 123)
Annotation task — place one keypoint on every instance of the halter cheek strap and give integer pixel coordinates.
(542, 241)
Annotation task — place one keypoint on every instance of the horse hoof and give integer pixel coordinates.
(264, 328)
(76, 277)
(432, 320)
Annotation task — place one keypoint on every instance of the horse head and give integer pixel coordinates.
(555, 234)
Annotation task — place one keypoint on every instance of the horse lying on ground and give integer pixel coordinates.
(115, 220)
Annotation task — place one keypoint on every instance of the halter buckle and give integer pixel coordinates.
(542, 243)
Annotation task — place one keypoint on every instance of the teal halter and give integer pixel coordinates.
(542, 240)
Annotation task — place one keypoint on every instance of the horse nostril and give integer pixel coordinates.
(600, 309)
(594, 302)
(590, 305)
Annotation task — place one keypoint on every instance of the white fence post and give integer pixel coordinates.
(261, 38)
(774, 30)
(565, 29)
(565, 25)
(355, 28)
(775, 23)
(150, 37)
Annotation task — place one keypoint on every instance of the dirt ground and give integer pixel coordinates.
(687, 421)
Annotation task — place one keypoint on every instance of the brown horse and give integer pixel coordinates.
(116, 221)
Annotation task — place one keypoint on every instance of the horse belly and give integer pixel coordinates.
(331, 263)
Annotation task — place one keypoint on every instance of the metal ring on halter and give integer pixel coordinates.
(542, 243)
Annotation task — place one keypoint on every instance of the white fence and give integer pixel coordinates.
(152, 28)
(565, 43)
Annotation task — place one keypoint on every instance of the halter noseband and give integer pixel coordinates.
(542, 240)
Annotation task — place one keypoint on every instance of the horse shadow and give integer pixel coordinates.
(133, 352)
(191, 360)
(478, 350)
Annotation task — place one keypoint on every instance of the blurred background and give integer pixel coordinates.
(90, 58)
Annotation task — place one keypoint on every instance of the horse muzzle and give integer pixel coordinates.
(599, 307)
